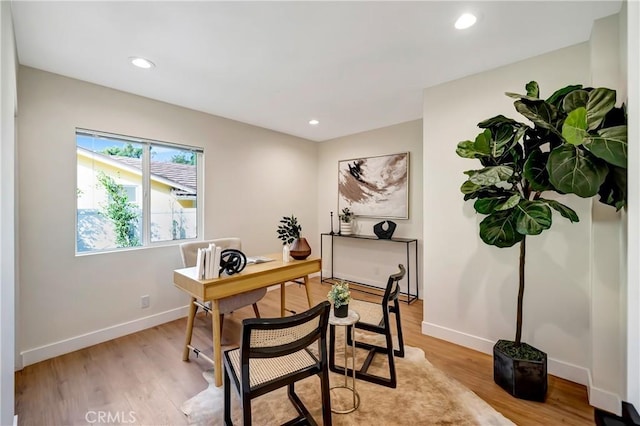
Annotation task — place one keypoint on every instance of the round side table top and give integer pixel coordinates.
(352, 318)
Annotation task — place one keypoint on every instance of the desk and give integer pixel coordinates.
(252, 277)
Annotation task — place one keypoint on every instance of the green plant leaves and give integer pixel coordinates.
(573, 170)
(600, 102)
(575, 99)
(491, 175)
(574, 129)
(610, 145)
(499, 229)
(532, 217)
(535, 171)
(613, 191)
(465, 149)
(562, 209)
(532, 89)
(559, 94)
(489, 205)
(540, 113)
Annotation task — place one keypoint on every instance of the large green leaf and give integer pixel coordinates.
(532, 217)
(535, 171)
(482, 143)
(576, 171)
(496, 121)
(574, 128)
(575, 99)
(613, 191)
(491, 175)
(600, 102)
(510, 203)
(469, 187)
(540, 113)
(466, 149)
(488, 192)
(498, 229)
(532, 89)
(559, 94)
(562, 209)
(502, 137)
(519, 96)
(489, 205)
(610, 145)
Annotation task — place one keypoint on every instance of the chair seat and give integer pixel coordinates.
(235, 302)
(370, 313)
(264, 370)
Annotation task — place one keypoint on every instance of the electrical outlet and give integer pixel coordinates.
(144, 301)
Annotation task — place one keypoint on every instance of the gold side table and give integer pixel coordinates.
(352, 318)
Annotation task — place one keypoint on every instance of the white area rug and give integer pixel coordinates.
(424, 396)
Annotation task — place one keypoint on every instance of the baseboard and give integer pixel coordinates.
(603, 399)
(31, 356)
(557, 368)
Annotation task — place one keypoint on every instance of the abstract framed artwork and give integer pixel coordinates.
(375, 186)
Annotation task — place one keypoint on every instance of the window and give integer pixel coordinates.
(133, 192)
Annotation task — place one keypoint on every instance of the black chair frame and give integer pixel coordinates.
(390, 305)
(242, 384)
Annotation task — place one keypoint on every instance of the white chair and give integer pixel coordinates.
(189, 252)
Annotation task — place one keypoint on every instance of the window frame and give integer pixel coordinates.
(145, 199)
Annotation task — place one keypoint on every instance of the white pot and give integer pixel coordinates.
(345, 228)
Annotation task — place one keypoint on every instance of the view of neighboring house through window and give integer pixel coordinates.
(134, 192)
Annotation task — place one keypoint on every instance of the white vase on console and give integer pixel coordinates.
(345, 228)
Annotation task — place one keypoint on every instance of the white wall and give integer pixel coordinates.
(632, 294)
(371, 262)
(7, 213)
(608, 313)
(470, 287)
(253, 177)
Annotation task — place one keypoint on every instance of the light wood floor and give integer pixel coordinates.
(141, 378)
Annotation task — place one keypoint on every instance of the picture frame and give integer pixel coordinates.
(376, 186)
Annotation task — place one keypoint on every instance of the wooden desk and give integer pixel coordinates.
(254, 276)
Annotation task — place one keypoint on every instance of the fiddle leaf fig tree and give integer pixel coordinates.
(575, 143)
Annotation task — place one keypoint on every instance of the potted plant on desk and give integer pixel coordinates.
(289, 232)
(346, 219)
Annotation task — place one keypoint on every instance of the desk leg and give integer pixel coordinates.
(189, 332)
(306, 287)
(217, 351)
(282, 299)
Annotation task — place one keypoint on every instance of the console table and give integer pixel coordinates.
(412, 290)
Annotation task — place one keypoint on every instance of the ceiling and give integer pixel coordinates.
(354, 66)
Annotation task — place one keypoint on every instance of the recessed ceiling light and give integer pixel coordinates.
(465, 21)
(141, 62)
(314, 122)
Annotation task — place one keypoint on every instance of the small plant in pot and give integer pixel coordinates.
(346, 219)
(340, 296)
(577, 145)
(289, 232)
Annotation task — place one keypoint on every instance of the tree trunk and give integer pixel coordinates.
(523, 249)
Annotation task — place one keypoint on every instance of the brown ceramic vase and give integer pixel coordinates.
(300, 249)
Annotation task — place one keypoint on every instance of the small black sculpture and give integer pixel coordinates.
(384, 234)
(232, 261)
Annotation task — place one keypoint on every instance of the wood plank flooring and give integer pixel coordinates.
(141, 379)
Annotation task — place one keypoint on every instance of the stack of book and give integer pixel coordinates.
(208, 262)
